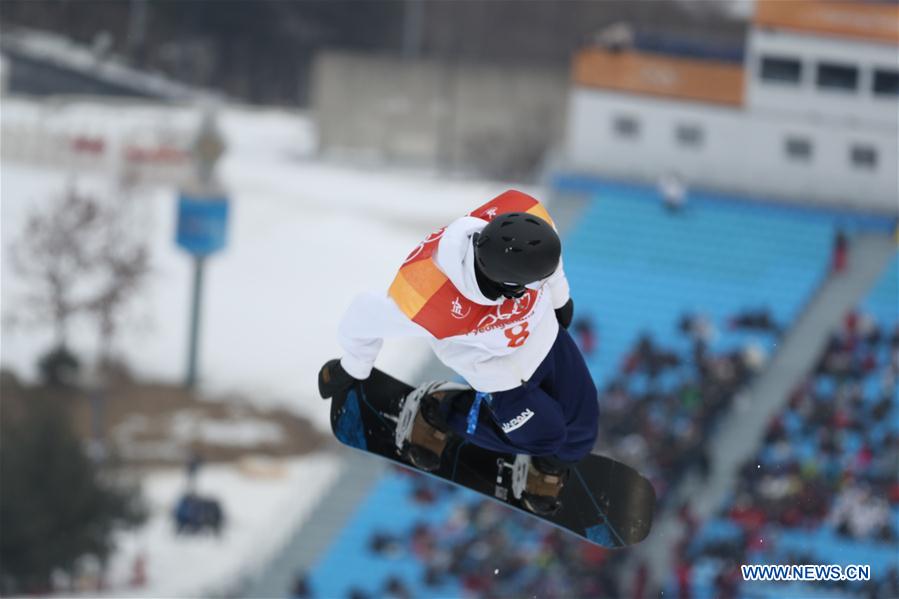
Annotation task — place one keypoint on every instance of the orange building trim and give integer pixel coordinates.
(865, 20)
(659, 75)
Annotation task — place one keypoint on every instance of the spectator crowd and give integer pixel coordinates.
(491, 551)
(664, 402)
(829, 466)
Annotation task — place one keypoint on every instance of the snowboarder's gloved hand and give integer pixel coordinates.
(333, 379)
(565, 313)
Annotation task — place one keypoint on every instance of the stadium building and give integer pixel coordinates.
(808, 114)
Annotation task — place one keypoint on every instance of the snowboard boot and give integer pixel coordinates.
(429, 434)
(422, 431)
(545, 479)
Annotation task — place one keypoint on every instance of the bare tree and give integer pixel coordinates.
(53, 255)
(123, 264)
(78, 258)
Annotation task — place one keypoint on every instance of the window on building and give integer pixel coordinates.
(690, 136)
(626, 127)
(837, 76)
(886, 82)
(863, 156)
(798, 149)
(781, 69)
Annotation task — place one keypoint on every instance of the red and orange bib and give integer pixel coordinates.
(430, 299)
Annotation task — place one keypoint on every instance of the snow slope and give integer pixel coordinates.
(260, 514)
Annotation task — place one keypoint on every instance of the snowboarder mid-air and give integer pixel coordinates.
(490, 294)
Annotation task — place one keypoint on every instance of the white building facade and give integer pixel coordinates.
(811, 115)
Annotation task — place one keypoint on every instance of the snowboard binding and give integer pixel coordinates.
(537, 483)
(421, 431)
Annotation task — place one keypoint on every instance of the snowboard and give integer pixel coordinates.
(604, 501)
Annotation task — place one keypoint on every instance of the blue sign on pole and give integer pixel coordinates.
(202, 224)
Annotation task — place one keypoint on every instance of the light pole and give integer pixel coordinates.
(202, 225)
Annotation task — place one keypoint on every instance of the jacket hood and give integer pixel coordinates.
(455, 257)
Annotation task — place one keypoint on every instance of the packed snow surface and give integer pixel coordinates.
(261, 504)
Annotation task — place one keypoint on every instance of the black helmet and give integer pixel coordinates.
(517, 248)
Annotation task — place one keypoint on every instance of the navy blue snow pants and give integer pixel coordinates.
(555, 413)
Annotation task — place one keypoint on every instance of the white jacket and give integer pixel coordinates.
(503, 348)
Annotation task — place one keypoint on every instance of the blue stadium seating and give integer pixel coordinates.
(348, 563)
(635, 267)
